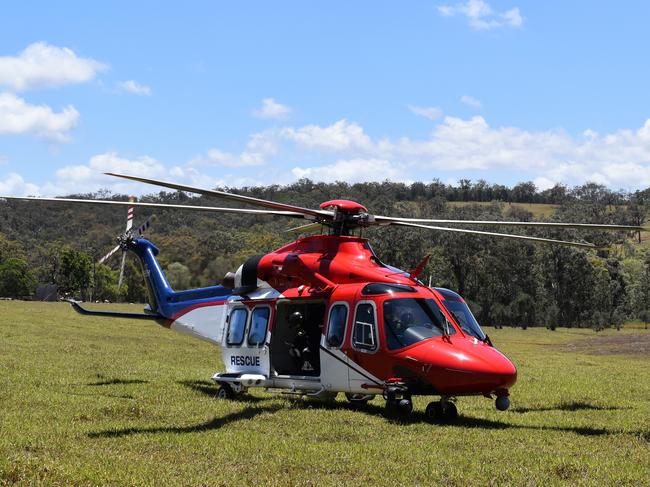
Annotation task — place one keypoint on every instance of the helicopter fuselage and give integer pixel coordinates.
(324, 315)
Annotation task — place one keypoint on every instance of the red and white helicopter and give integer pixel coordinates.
(324, 315)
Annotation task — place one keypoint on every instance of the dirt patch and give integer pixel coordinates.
(625, 344)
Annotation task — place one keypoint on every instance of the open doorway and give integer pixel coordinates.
(295, 341)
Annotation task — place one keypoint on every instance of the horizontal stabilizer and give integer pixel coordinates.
(114, 314)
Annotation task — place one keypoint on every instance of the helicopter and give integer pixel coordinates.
(324, 315)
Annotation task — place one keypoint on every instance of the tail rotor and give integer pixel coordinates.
(123, 240)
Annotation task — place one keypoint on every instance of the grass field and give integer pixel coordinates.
(91, 401)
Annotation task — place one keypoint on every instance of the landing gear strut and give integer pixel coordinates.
(443, 411)
(358, 399)
(398, 400)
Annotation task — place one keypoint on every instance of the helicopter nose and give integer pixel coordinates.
(471, 369)
(504, 373)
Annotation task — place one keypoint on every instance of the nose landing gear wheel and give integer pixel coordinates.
(441, 412)
(399, 406)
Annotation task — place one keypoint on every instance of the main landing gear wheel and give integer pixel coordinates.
(225, 392)
(441, 412)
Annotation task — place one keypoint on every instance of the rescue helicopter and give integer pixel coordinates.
(324, 315)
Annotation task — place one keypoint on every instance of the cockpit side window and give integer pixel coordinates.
(364, 333)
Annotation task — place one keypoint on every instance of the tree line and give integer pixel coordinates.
(507, 283)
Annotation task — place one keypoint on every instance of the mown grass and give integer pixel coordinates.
(89, 401)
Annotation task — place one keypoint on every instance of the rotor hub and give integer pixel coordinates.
(344, 206)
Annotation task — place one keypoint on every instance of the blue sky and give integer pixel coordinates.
(237, 93)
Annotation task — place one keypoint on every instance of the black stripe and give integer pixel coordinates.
(347, 363)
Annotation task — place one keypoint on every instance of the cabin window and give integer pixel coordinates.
(259, 323)
(336, 325)
(364, 334)
(237, 326)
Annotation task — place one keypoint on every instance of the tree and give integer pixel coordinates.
(105, 284)
(10, 248)
(178, 275)
(16, 279)
(75, 271)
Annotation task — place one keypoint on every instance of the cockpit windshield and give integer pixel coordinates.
(411, 320)
(464, 317)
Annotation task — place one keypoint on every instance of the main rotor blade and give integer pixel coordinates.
(585, 226)
(309, 227)
(492, 234)
(108, 256)
(291, 214)
(308, 212)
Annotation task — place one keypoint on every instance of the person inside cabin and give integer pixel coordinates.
(397, 319)
(299, 349)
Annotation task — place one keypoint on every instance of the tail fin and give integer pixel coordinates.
(163, 300)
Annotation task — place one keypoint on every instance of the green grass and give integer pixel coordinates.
(88, 401)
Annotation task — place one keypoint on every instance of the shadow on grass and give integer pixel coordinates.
(210, 389)
(416, 417)
(117, 396)
(110, 382)
(247, 413)
(461, 422)
(569, 406)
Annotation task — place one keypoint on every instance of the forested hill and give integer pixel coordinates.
(506, 282)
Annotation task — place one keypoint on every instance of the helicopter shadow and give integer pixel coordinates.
(214, 424)
(111, 382)
(210, 389)
(569, 406)
(466, 421)
(417, 417)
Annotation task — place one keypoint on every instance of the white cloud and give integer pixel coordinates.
(455, 148)
(339, 136)
(260, 146)
(19, 117)
(134, 87)
(513, 17)
(15, 185)
(470, 101)
(41, 65)
(481, 16)
(432, 113)
(217, 157)
(90, 177)
(272, 109)
(352, 171)
(618, 159)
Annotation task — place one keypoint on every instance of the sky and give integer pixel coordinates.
(246, 93)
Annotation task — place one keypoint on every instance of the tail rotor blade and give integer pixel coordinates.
(119, 282)
(145, 226)
(109, 255)
(129, 214)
